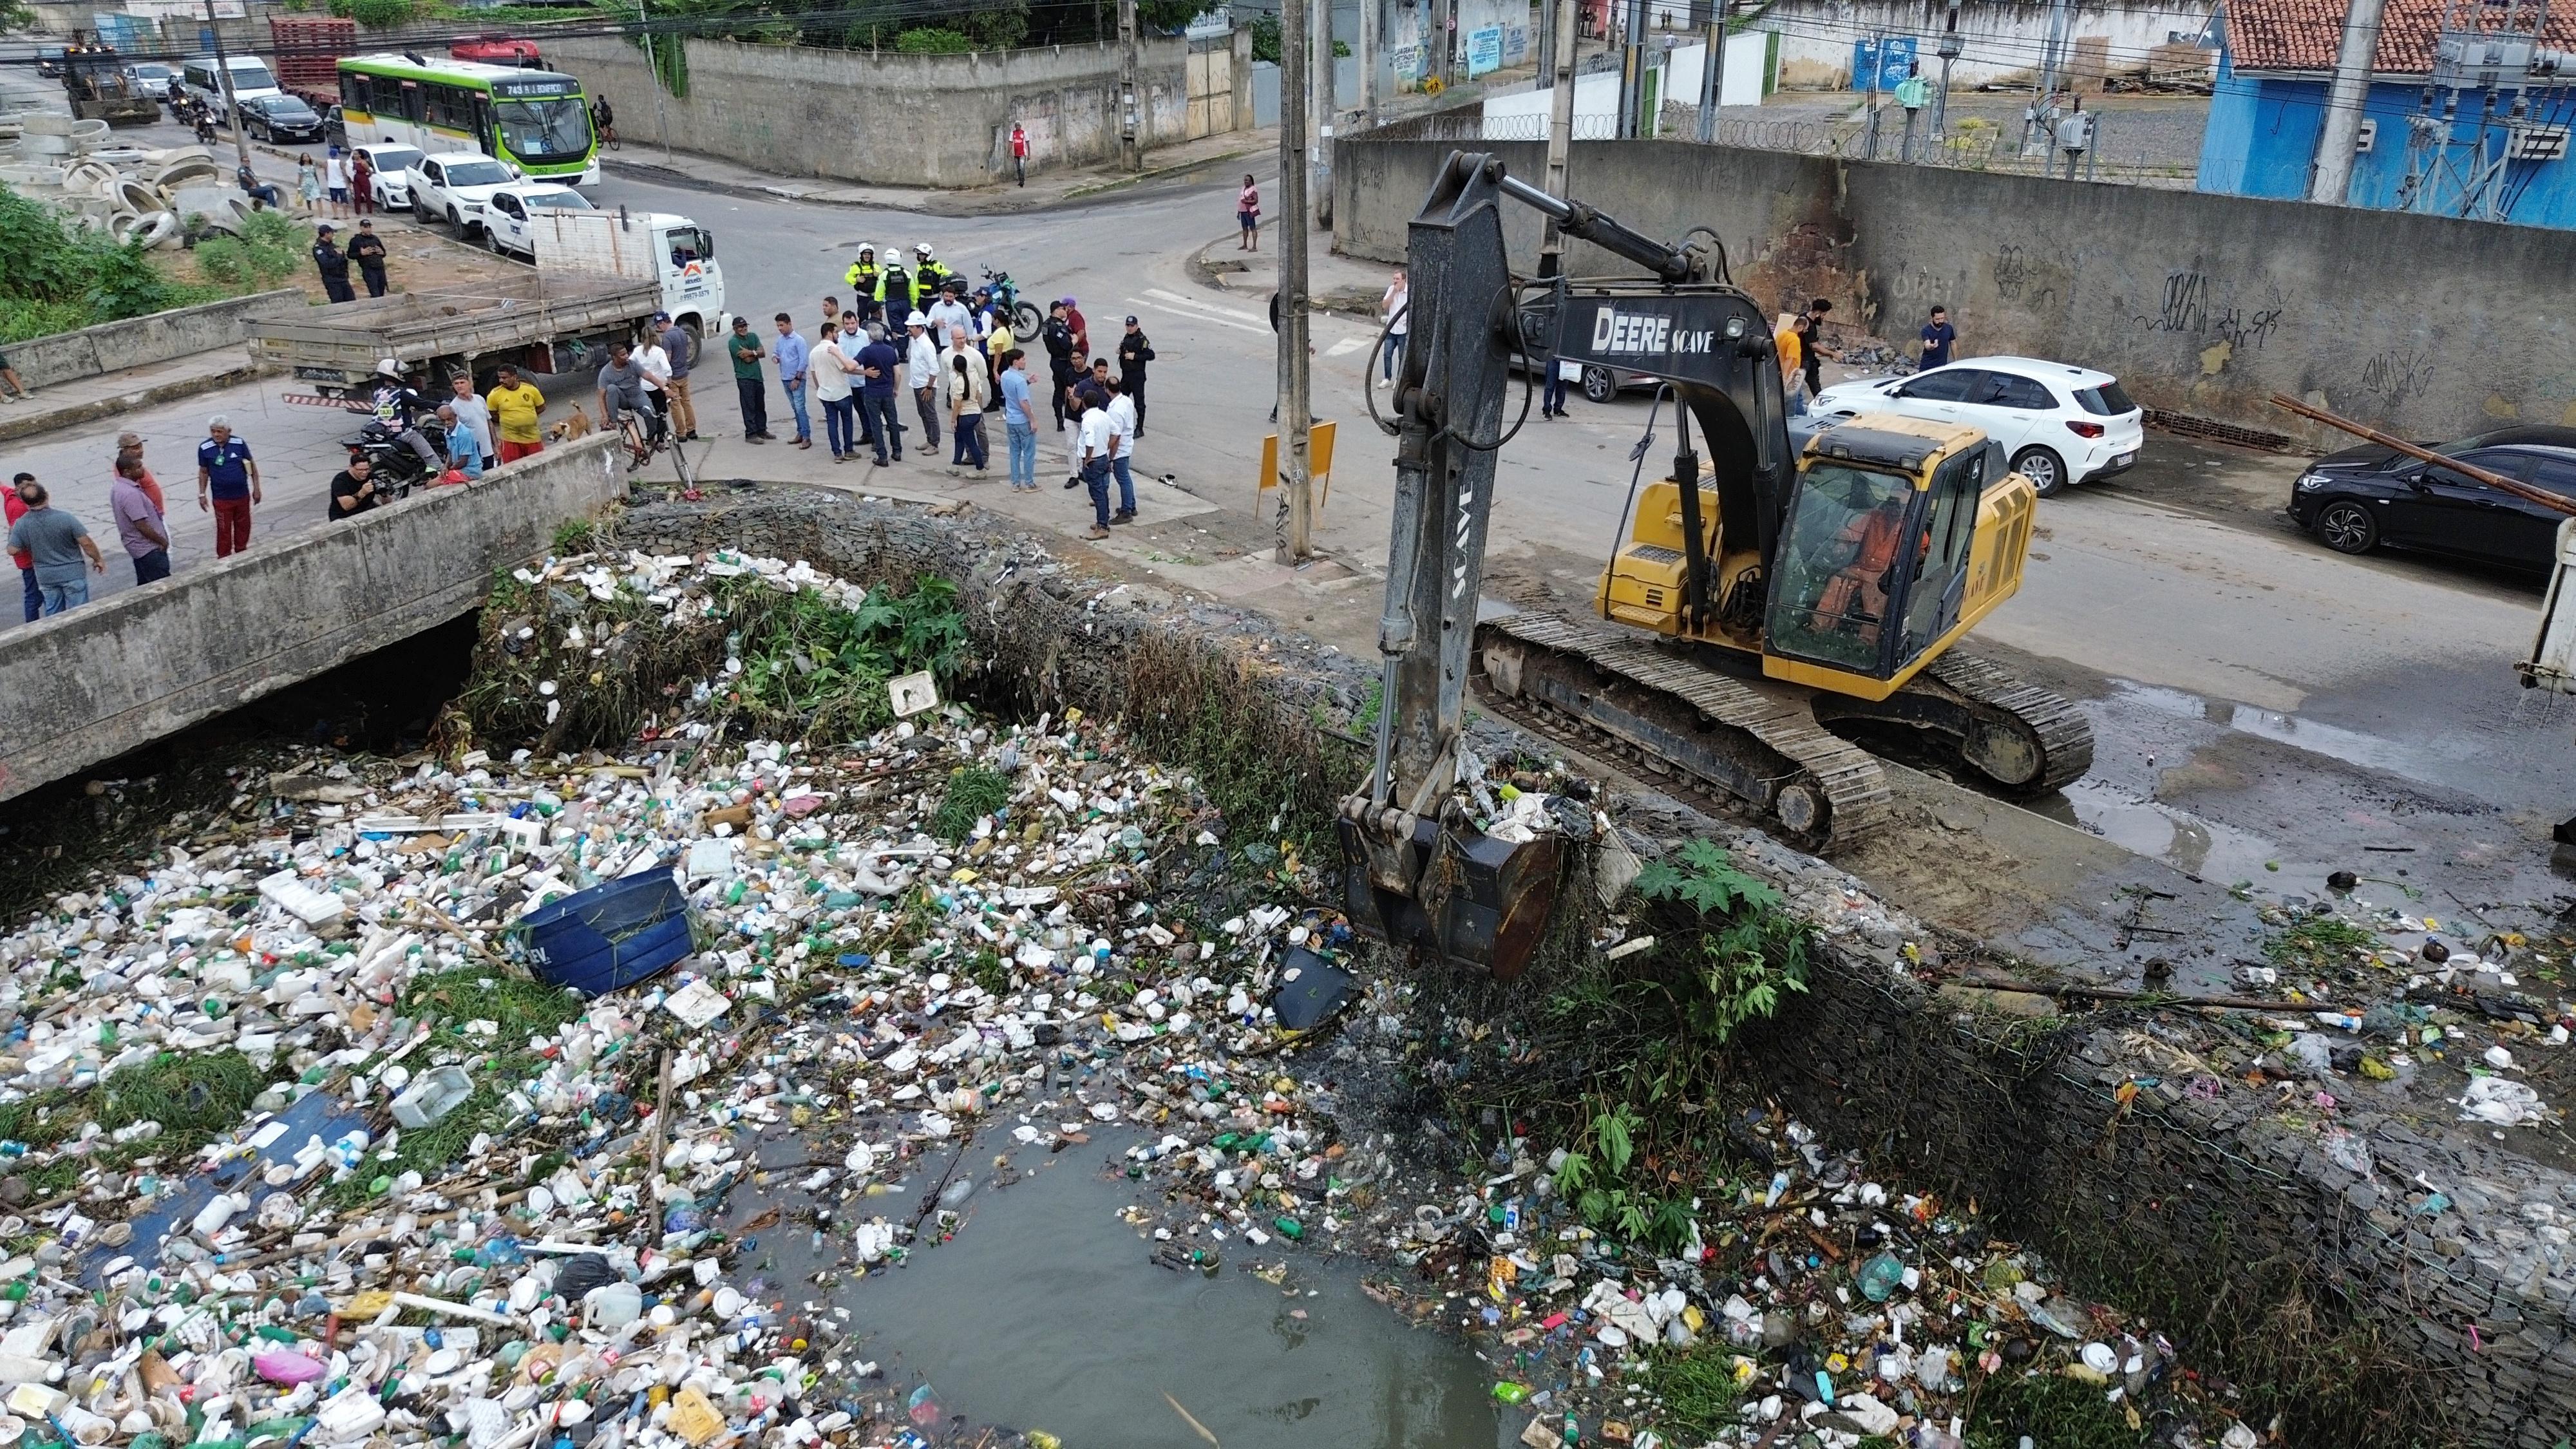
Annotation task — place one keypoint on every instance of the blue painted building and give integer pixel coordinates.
(2276, 64)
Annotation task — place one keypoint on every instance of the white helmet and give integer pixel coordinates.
(388, 368)
(922, 251)
(867, 249)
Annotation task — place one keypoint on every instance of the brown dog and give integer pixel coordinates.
(576, 426)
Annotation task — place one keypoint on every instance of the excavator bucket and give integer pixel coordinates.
(1468, 897)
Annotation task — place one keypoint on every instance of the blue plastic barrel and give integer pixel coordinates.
(610, 936)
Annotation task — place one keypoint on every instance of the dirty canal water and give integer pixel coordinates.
(1044, 1311)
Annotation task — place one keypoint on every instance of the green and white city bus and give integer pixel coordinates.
(535, 120)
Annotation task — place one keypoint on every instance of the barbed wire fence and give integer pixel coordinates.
(1972, 144)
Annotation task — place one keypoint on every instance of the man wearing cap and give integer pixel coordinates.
(1134, 351)
(1061, 368)
(368, 250)
(1081, 329)
(682, 350)
(333, 264)
(921, 374)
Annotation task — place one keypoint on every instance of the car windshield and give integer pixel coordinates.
(393, 158)
(548, 130)
(252, 76)
(152, 72)
(476, 173)
(559, 200)
(2106, 401)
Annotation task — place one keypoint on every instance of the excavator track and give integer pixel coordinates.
(1675, 717)
(2017, 737)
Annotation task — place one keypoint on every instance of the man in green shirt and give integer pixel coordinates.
(746, 350)
(1912, 93)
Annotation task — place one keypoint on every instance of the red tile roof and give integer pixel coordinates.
(2304, 34)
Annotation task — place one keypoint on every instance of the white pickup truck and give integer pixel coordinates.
(672, 251)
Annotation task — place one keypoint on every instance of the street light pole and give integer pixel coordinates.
(653, 67)
(1710, 87)
(1560, 137)
(1295, 533)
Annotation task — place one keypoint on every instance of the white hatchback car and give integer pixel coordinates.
(454, 185)
(389, 172)
(2058, 424)
(509, 214)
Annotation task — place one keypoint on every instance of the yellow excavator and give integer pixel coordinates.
(1759, 607)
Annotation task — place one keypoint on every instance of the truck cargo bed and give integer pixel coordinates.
(340, 344)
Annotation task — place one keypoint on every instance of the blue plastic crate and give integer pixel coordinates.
(610, 936)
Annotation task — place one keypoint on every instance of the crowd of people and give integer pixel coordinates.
(909, 327)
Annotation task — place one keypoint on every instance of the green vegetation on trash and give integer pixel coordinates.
(973, 793)
(2317, 943)
(1697, 1392)
(2050, 1408)
(451, 1002)
(805, 667)
(1624, 1061)
(1262, 763)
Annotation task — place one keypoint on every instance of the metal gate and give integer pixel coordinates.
(1211, 72)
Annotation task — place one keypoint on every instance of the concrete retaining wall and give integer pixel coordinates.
(908, 120)
(2202, 304)
(111, 676)
(160, 337)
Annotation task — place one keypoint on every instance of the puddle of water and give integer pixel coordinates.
(1044, 1313)
(2353, 747)
(2188, 843)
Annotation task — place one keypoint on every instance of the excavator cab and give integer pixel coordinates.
(1899, 535)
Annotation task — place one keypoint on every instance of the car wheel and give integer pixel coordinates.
(492, 239)
(2347, 527)
(1598, 386)
(2045, 470)
(456, 221)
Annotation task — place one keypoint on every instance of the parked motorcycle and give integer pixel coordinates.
(1025, 317)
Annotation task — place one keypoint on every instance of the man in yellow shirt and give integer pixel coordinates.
(515, 405)
(1792, 357)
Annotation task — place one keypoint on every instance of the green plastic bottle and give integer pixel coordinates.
(1508, 1392)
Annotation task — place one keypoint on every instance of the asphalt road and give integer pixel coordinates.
(2266, 709)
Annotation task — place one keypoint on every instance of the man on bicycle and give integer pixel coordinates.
(621, 396)
(603, 118)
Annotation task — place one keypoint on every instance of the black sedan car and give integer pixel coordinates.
(281, 118)
(2363, 497)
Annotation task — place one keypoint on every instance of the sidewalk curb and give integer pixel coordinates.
(25, 425)
(1205, 272)
(1156, 174)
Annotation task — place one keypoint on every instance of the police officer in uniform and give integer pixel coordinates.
(928, 276)
(368, 250)
(333, 264)
(867, 282)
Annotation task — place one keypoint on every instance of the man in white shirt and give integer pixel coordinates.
(1122, 423)
(656, 364)
(1098, 441)
(335, 176)
(832, 367)
(475, 418)
(948, 313)
(921, 374)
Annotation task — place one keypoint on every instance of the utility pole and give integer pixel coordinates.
(1322, 16)
(1949, 52)
(1632, 73)
(2039, 124)
(1368, 63)
(1560, 135)
(1131, 129)
(653, 66)
(1547, 36)
(1444, 14)
(1296, 528)
(1877, 64)
(2330, 174)
(1711, 71)
(224, 78)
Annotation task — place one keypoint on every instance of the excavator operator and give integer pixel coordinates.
(1854, 600)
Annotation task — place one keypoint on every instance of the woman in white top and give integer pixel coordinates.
(832, 366)
(1391, 308)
